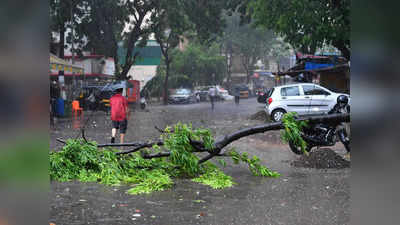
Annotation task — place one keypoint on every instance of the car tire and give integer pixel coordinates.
(277, 115)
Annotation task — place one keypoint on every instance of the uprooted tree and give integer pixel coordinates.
(151, 165)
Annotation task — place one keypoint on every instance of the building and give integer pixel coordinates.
(332, 72)
(97, 68)
(145, 67)
(62, 77)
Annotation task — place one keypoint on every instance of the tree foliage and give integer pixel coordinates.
(62, 13)
(79, 160)
(306, 24)
(197, 65)
(109, 24)
(245, 41)
(169, 23)
(292, 131)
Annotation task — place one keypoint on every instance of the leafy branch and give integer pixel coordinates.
(292, 130)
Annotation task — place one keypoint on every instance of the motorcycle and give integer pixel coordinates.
(142, 103)
(327, 134)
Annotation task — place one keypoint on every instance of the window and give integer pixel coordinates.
(270, 92)
(290, 91)
(313, 90)
(320, 91)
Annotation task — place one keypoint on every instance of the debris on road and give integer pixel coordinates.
(323, 158)
(260, 115)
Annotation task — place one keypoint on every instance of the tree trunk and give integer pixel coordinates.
(166, 80)
(62, 41)
(247, 76)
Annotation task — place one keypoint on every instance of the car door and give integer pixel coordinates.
(293, 100)
(319, 100)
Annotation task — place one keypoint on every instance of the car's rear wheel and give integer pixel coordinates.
(277, 115)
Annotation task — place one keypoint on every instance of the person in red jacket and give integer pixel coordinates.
(119, 115)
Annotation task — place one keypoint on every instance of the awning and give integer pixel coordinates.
(58, 64)
(328, 69)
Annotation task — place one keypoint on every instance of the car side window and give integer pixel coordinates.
(312, 90)
(308, 89)
(320, 91)
(290, 91)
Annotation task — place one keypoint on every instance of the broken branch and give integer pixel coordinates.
(146, 145)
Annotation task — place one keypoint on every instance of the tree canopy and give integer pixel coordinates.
(192, 67)
(306, 24)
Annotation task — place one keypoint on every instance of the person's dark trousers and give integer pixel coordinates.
(212, 98)
(237, 100)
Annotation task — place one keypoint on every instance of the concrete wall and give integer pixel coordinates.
(142, 74)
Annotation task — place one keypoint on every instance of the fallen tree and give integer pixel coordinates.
(223, 141)
(150, 165)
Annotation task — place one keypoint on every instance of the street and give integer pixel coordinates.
(308, 192)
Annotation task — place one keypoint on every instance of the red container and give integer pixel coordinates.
(133, 91)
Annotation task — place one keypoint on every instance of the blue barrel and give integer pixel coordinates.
(60, 107)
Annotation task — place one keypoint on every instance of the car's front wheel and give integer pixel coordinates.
(277, 115)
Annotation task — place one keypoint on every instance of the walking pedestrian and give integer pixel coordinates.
(92, 101)
(236, 93)
(119, 115)
(212, 93)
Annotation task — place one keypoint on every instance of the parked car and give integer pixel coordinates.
(182, 96)
(303, 98)
(203, 94)
(223, 94)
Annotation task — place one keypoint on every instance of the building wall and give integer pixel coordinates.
(142, 73)
(96, 65)
(337, 82)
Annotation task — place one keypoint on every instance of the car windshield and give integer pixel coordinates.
(182, 92)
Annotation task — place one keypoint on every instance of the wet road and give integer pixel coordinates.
(300, 196)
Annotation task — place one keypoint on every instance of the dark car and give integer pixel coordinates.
(182, 96)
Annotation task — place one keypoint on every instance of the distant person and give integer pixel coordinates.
(92, 101)
(198, 97)
(236, 93)
(212, 93)
(119, 115)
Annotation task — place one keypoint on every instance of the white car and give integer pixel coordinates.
(303, 98)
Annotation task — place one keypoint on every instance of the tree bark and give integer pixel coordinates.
(62, 41)
(166, 80)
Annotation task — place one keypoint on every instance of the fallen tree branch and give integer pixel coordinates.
(223, 141)
(83, 135)
(146, 145)
(119, 144)
(161, 130)
(157, 155)
(227, 139)
(61, 140)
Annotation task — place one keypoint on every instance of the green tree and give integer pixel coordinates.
(244, 40)
(169, 23)
(306, 24)
(108, 23)
(62, 13)
(195, 66)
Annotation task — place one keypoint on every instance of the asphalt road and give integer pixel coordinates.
(300, 196)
